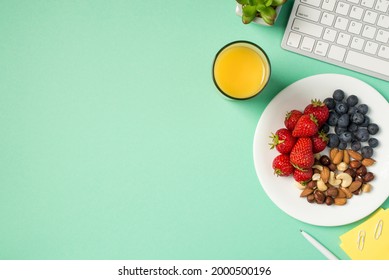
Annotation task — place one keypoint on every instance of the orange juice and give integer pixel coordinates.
(241, 70)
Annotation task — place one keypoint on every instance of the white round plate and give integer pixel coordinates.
(282, 190)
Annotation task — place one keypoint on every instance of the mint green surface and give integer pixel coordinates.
(115, 144)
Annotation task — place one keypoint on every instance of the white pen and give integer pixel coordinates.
(318, 246)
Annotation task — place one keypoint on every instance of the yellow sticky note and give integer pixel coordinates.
(369, 240)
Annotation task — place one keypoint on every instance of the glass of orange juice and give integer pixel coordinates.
(241, 70)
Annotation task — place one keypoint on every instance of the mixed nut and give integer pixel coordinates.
(337, 177)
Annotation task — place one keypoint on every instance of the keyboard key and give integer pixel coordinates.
(383, 21)
(327, 19)
(329, 34)
(343, 39)
(341, 23)
(307, 28)
(342, 8)
(367, 3)
(293, 40)
(371, 47)
(328, 5)
(368, 62)
(307, 44)
(384, 52)
(382, 5)
(308, 13)
(382, 36)
(357, 43)
(370, 17)
(336, 53)
(353, 1)
(321, 48)
(369, 31)
(356, 12)
(355, 27)
(315, 3)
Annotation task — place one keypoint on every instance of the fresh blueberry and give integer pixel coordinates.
(342, 146)
(357, 118)
(373, 128)
(333, 118)
(338, 95)
(330, 103)
(325, 128)
(333, 140)
(362, 134)
(352, 100)
(341, 108)
(363, 108)
(346, 137)
(339, 130)
(344, 120)
(352, 127)
(367, 151)
(356, 145)
(366, 121)
(352, 110)
(373, 142)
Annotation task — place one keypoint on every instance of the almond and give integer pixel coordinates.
(356, 185)
(306, 192)
(338, 157)
(341, 194)
(340, 201)
(354, 154)
(325, 174)
(355, 164)
(347, 192)
(346, 157)
(368, 162)
(333, 152)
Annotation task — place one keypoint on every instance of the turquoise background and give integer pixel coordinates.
(115, 143)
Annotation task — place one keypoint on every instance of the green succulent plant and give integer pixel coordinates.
(260, 8)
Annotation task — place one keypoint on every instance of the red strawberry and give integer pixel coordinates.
(306, 126)
(301, 155)
(303, 176)
(283, 141)
(282, 165)
(319, 110)
(291, 119)
(319, 142)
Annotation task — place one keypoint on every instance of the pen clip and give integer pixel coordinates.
(361, 239)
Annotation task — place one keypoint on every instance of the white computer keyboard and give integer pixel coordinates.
(353, 34)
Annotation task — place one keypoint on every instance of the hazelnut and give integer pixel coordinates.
(311, 184)
(361, 171)
(311, 198)
(368, 177)
(332, 167)
(350, 172)
(332, 191)
(319, 197)
(358, 178)
(325, 160)
(329, 200)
